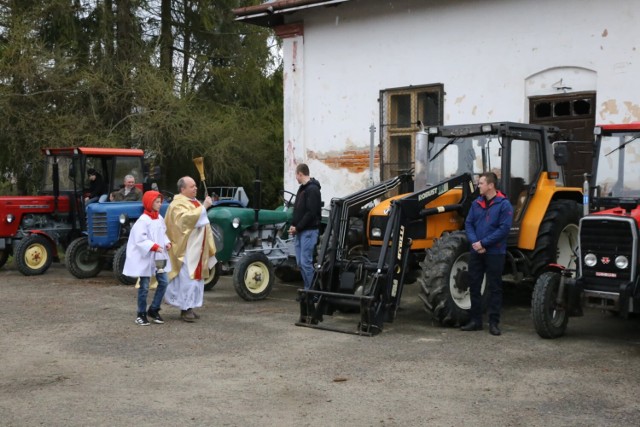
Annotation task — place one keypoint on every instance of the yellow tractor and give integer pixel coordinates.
(420, 236)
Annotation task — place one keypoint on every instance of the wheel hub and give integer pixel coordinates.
(35, 256)
(256, 278)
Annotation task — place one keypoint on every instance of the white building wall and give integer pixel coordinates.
(490, 56)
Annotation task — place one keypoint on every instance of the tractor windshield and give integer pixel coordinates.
(65, 172)
(450, 157)
(618, 162)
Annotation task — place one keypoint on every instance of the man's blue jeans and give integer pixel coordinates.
(305, 244)
(143, 291)
(491, 265)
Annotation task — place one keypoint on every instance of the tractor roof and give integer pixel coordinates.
(92, 151)
(621, 127)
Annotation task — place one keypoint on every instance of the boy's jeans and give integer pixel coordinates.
(143, 291)
(305, 244)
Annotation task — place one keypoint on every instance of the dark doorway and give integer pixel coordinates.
(574, 114)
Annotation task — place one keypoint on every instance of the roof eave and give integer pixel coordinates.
(272, 14)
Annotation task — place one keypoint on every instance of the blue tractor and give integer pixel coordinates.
(104, 242)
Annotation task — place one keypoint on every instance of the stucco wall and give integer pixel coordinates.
(490, 56)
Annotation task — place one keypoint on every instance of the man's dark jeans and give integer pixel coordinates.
(492, 265)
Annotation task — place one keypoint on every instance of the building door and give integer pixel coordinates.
(574, 114)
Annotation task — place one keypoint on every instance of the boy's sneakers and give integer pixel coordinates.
(142, 320)
(155, 315)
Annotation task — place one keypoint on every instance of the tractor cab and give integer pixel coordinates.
(615, 179)
(34, 226)
(606, 274)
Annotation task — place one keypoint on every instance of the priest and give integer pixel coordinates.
(193, 250)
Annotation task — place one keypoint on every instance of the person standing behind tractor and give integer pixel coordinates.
(487, 227)
(128, 193)
(193, 251)
(147, 242)
(305, 224)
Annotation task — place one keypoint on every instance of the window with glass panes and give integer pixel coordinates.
(401, 111)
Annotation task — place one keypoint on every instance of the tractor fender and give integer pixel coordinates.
(546, 191)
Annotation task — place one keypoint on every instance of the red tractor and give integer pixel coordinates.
(606, 275)
(32, 227)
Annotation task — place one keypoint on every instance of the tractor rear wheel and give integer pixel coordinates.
(82, 262)
(549, 318)
(118, 267)
(253, 277)
(214, 276)
(444, 280)
(557, 238)
(33, 255)
(4, 256)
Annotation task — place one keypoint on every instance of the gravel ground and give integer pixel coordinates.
(72, 356)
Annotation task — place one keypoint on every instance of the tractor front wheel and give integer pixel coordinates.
(82, 262)
(549, 318)
(118, 267)
(33, 255)
(214, 276)
(253, 277)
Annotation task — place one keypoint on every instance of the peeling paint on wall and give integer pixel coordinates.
(353, 160)
(633, 111)
(460, 99)
(609, 107)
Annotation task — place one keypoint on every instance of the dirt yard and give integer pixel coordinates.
(72, 356)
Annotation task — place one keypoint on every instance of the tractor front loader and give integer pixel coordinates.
(352, 276)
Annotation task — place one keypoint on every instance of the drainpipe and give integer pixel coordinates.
(372, 132)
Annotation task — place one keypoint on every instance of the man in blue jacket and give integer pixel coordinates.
(487, 227)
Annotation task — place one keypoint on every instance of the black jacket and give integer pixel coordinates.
(307, 209)
(97, 187)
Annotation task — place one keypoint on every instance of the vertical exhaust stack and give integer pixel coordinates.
(422, 153)
(257, 196)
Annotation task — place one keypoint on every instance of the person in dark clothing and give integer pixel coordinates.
(96, 186)
(305, 224)
(487, 227)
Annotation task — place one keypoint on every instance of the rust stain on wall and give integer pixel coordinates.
(608, 107)
(353, 160)
(605, 33)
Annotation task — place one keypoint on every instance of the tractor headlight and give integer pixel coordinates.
(235, 223)
(10, 218)
(590, 260)
(622, 262)
(123, 219)
(376, 232)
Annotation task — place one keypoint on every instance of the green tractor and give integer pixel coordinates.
(253, 244)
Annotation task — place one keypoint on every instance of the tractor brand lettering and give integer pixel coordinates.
(400, 239)
(603, 274)
(438, 190)
(34, 206)
(605, 260)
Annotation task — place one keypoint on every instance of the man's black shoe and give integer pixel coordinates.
(494, 329)
(471, 326)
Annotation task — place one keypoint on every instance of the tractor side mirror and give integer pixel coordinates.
(561, 153)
